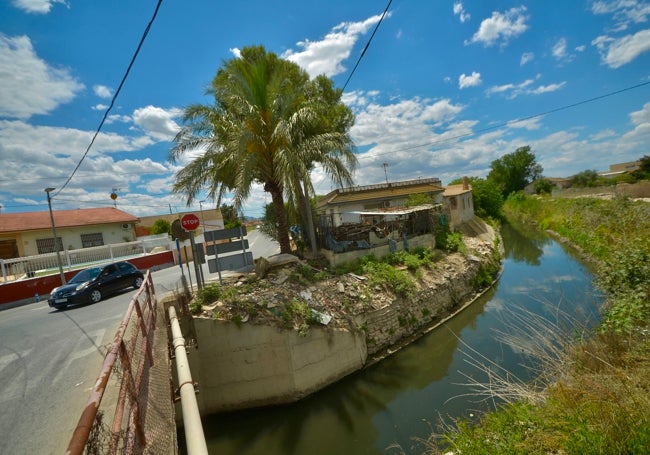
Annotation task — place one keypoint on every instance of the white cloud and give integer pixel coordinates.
(559, 51)
(526, 57)
(624, 12)
(40, 87)
(235, 51)
(37, 6)
(459, 11)
(512, 91)
(99, 107)
(473, 80)
(547, 88)
(641, 117)
(157, 122)
(616, 52)
(102, 91)
(326, 56)
(500, 28)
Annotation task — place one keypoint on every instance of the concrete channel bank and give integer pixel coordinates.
(239, 365)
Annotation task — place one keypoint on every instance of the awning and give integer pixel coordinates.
(395, 210)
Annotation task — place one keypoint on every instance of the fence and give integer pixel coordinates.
(46, 264)
(139, 420)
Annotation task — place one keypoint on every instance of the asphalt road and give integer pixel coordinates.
(49, 360)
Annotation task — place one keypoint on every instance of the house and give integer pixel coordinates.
(376, 219)
(458, 204)
(345, 205)
(30, 233)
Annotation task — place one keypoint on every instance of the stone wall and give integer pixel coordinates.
(404, 318)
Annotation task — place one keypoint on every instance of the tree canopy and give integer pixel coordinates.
(270, 125)
(512, 172)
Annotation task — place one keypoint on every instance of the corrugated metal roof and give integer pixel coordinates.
(31, 221)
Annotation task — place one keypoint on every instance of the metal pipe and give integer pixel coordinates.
(194, 437)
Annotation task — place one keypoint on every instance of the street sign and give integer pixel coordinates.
(190, 221)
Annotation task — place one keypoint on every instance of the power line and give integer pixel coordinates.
(117, 92)
(367, 45)
(519, 120)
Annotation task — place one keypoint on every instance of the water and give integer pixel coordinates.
(385, 408)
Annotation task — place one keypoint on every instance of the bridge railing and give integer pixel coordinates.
(129, 359)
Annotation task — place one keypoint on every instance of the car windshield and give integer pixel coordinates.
(85, 275)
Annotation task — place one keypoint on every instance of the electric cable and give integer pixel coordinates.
(117, 92)
(367, 45)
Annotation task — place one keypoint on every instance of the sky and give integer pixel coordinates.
(442, 90)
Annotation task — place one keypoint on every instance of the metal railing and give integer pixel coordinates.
(30, 266)
(131, 350)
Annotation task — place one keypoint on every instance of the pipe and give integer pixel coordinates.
(194, 437)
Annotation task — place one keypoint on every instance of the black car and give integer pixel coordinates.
(90, 285)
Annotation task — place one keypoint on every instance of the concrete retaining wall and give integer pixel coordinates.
(255, 365)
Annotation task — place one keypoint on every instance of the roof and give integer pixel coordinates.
(457, 190)
(381, 191)
(32, 221)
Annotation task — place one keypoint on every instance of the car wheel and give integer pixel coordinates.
(95, 295)
(138, 283)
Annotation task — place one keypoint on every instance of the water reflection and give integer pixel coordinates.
(405, 395)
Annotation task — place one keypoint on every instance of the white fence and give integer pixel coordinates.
(46, 264)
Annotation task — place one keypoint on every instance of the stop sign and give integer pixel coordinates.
(190, 222)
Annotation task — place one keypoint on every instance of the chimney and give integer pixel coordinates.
(465, 183)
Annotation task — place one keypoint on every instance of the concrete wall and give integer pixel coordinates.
(256, 365)
(378, 250)
(71, 237)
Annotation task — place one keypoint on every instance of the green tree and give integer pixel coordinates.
(269, 124)
(161, 226)
(588, 178)
(229, 214)
(486, 196)
(512, 172)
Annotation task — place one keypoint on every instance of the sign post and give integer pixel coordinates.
(190, 222)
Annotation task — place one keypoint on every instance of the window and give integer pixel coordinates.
(88, 240)
(47, 245)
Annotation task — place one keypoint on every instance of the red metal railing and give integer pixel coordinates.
(132, 346)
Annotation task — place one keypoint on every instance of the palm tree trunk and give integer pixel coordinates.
(309, 220)
(281, 218)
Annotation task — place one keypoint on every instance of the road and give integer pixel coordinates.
(49, 360)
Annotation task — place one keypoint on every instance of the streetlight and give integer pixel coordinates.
(201, 209)
(56, 243)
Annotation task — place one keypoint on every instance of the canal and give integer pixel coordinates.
(386, 408)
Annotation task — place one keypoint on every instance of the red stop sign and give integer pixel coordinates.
(190, 222)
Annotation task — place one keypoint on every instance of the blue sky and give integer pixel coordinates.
(444, 88)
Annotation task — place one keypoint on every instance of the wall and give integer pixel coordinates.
(335, 259)
(71, 237)
(23, 291)
(258, 365)
(247, 366)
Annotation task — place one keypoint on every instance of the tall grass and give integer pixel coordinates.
(591, 393)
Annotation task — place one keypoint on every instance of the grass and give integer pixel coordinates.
(591, 395)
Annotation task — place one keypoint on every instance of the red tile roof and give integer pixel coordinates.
(31, 221)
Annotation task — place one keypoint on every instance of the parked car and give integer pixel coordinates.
(92, 284)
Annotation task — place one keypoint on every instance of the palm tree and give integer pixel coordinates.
(270, 125)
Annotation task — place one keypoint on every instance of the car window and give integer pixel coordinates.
(109, 270)
(126, 267)
(85, 275)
